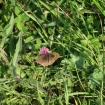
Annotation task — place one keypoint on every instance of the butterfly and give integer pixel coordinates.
(47, 59)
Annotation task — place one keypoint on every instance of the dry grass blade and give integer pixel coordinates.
(3, 55)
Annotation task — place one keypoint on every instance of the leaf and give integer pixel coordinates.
(15, 57)
(95, 42)
(29, 39)
(39, 42)
(20, 20)
(84, 42)
(78, 93)
(17, 10)
(18, 48)
(19, 72)
(54, 23)
(3, 55)
(8, 31)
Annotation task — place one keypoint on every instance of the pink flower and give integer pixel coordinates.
(43, 50)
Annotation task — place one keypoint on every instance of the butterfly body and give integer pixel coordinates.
(47, 59)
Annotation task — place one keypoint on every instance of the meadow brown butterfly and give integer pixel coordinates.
(47, 59)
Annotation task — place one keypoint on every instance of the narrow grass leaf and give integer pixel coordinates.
(18, 49)
(78, 93)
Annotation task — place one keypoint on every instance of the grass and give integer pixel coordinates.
(74, 29)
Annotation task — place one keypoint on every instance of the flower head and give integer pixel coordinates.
(43, 50)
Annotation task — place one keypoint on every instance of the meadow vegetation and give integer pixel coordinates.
(72, 28)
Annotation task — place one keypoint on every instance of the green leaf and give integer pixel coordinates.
(29, 39)
(84, 42)
(18, 48)
(20, 21)
(54, 23)
(17, 10)
(39, 42)
(11, 23)
(95, 42)
(8, 31)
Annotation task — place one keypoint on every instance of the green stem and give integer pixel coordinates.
(80, 80)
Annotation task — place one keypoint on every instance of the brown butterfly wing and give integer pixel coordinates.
(52, 57)
(43, 60)
(47, 59)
